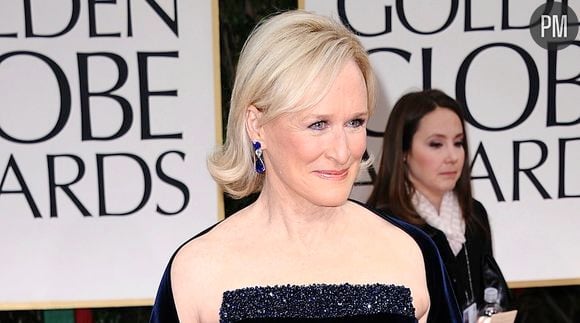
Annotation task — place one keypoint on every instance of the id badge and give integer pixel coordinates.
(470, 313)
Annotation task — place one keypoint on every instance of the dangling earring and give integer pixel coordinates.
(259, 165)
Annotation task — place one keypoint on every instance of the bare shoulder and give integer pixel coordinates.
(197, 273)
(390, 244)
(199, 255)
(384, 239)
(200, 249)
(378, 227)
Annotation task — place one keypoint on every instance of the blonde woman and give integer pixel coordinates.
(303, 93)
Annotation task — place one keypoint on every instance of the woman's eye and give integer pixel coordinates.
(459, 144)
(435, 144)
(356, 123)
(318, 125)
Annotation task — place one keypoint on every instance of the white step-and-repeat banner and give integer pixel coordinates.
(107, 114)
(523, 108)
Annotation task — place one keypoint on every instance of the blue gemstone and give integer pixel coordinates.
(260, 167)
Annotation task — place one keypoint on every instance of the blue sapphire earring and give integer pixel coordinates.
(259, 165)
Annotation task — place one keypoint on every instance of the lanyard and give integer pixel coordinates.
(472, 299)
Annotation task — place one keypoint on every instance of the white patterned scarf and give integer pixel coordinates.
(448, 220)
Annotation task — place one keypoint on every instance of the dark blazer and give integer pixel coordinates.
(443, 308)
(478, 243)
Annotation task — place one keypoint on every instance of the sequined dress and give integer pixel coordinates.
(329, 302)
(318, 303)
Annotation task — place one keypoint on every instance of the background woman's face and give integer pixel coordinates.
(315, 155)
(436, 157)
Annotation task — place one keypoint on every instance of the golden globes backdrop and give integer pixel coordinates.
(523, 110)
(107, 113)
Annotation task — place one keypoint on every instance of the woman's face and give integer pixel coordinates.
(314, 155)
(436, 157)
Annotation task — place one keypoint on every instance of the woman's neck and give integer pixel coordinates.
(296, 218)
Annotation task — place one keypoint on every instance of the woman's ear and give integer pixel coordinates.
(253, 123)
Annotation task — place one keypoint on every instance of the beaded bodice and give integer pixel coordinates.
(318, 302)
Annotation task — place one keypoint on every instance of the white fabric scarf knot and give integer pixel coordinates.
(448, 220)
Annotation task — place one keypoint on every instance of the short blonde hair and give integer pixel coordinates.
(287, 65)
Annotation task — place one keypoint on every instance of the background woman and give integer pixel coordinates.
(424, 179)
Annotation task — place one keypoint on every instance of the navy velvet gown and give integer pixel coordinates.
(329, 302)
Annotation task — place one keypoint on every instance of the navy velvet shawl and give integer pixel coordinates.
(443, 307)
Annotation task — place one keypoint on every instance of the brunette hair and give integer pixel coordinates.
(393, 189)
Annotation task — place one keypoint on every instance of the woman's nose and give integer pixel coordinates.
(453, 153)
(338, 149)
